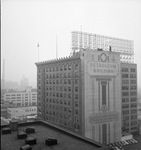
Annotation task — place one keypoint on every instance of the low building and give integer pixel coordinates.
(22, 98)
(21, 112)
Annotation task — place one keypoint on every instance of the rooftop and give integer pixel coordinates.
(66, 140)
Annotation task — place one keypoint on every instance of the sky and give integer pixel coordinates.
(24, 23)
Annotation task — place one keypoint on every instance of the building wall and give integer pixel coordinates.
(59, 93)
(102, 96)
(129, 97)
(21, 111)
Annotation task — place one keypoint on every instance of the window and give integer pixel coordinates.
(125, 99)
(124, 69)
(65, 75)
(76, 74)
(61, 68)
(69, 89)
(125, 81)
(104, 94)
(76, 96)
(69, 74)
(133, 93)
(76, 104)
(133, 87)
(125, 93)
(69, 81)
(133, 99)
(65, 81)
(133, 111)
(132, 69)
(133, 117)
(125, 106)
(125, 87)
(69, 95)
(132, 75)
(65, 88)
(133, 123)
(124, 75)
(133, 82)
(76, 81)
(76, 111)
(125, 112)
(76, 66)
(69, 67)
(65, 67)
(133, 105)
(76, 89)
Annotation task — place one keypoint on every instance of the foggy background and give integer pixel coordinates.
(24, 23)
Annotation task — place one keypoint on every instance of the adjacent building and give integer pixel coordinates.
(91, 92)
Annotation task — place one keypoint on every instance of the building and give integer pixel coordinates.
(24, 83)
(21, 112)
(21, 98)
(84, 93)
(129, 97)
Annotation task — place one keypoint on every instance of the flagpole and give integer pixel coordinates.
(38, 50)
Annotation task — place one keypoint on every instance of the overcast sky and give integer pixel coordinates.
(24, 23)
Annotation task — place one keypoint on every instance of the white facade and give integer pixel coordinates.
(18, 112)
(102, 96)
(21, 98)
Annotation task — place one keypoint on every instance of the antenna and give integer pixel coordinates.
(56, 47)
(3, 75)
(80, 37)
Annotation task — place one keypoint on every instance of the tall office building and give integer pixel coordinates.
(90, 92)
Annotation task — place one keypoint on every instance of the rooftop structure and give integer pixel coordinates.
(83, 41)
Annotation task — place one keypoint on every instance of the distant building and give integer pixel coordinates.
(22, 98)
(24, 83)
(21, 112)
(94, 91)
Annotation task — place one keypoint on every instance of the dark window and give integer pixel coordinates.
(104, 94)
(125, 87)
(124, 75)
(125, 93)
(132, 69)
(124, 69)
(132, 75)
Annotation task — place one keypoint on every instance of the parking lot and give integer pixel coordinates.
(132, 144)
(135, 146)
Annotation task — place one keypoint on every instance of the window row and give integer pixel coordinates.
(127, 81)
(131, 76)
(133, 87)
(127, 105)
(65, 81)
(126, 99)
(134, 93)
(61, 67)
(127, 69)
(61, 88)
(61, 95)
